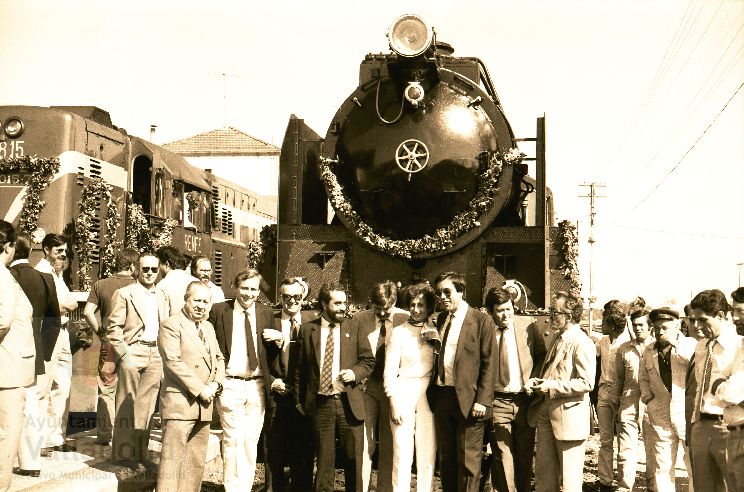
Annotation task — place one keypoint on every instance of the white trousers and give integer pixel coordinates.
(57, 392)
(242, 406)
(665, 442)
(418, 427)
(35, 424)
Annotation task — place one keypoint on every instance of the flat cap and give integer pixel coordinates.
(664, 312)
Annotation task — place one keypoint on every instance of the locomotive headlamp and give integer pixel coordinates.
(409, 36)
(13, 127)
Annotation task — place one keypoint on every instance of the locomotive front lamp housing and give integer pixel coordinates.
(409, 36)
(13, 127)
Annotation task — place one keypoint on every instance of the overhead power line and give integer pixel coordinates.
(681, 233)
(688, 150)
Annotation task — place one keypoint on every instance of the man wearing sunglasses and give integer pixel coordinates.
(462, 393)
(289, 438)
(133, 327)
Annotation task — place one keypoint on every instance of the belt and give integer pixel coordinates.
(249, 378)
(735, 427)
(335, 396)
(145, 342)
(711, 416)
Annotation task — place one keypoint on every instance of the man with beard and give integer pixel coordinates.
(134, 323)
(713, 357)
(201, 269)
(333, 359)
(60, 366)
(239, 326)
(193, 372)
(626, 399)
(288, 436)
(737, 310)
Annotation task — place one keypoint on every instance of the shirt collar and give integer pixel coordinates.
(459, 313)
(19, 262)
(286, 317)
(145, 289)
(324, 323)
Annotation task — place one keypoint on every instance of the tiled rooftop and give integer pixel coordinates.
(226, 141)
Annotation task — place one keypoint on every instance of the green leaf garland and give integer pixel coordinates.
(42, 172)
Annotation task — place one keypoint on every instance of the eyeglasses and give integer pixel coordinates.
(295, 298)
(148, 269)
(445, 292)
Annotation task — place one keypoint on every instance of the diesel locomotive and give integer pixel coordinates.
(419, 172)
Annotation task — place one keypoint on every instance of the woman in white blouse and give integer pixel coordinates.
(409, 363)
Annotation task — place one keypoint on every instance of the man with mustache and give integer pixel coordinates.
(239, 326)
(193, 372)
(201, 269)
(737, 310)
(59, 368)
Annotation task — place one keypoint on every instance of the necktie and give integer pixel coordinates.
(252, 359)
(440, 362)
(504, 375)
(326, 373)
(293, 329)
(201, 337)
(380, 353)
(707, 368)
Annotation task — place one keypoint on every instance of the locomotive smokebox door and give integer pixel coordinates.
(407, 146)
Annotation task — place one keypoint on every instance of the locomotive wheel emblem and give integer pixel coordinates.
(412, 156)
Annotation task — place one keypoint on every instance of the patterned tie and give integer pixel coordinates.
(252, 359)
(440, 362)
(202, 337)
(326, 373)
(707, 368)
(504, 375)
(293, 329)
(379, 369)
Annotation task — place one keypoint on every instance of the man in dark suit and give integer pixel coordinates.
(333, 359)
(288, 433)
(41, 292)
(375, 324)
(511, 437)
(193, 372)
(463, 389)
(239, 327)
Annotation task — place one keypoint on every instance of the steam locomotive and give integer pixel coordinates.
(423, 174)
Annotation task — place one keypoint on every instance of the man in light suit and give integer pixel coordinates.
(662, 380)
(133, 326)
(17, 355)
(511, 437)
(375, 324)
(463, 390)
(239, 326)
(42, 293)
(333, 359)
(561, 410)
(193, 372)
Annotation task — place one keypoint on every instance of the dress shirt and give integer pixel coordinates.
(456, 319)
(286, 323)
(338, 385)
(515, 369)
(725, 348)
(238, 365)
(731, 390)
(607, 352)
(217, 294)
(174, 285)
(66, 301)
(152, 321)
(407, 356)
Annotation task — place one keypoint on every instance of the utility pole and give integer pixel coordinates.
(592, 196)
(740, 265)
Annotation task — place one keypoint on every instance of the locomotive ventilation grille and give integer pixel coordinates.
(217, 274)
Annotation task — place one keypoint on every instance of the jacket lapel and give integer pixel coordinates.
(227, 322)
(343, 346)
(315, 339)
(467, 327)
(189, 328)
(523, 352)
(138, 302)
(163, 306)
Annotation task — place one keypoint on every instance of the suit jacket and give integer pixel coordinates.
(17, 350)
(525, 334)
(42, 293)
(221, 317)
(277, 367)
(356, 355)
(187, 368)
(475, 360)
(127, 319)
(664, 404)
(367, 324)
(572, 369)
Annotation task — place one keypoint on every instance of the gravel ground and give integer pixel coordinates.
(213, 480)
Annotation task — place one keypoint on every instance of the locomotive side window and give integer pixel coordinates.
(177, 212)
(141, 184)
(159, 195)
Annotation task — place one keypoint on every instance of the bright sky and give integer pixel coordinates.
(628, 87)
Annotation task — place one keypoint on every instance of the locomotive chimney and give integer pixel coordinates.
(152, 132)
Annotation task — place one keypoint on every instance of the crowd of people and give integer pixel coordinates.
(477, 394)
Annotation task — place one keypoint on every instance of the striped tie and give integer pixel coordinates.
(707, 368)
(326, 373)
